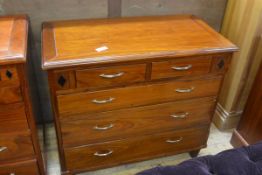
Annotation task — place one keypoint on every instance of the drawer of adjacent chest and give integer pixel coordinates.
(181, 67)
(105, 100)
(20, 168)
(135, 148)
(10, 94)
(105, 126)
(15, 146)
(8, 75)
(13, 118)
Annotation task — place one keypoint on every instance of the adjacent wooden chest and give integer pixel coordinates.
(19, 148)
(132, 89)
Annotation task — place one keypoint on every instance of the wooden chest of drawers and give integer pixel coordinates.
(19, 148)
(131, 89)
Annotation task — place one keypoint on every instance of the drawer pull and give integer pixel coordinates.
(12, 174)
(2, 148)
(104, 128)
(103, 154)
(174, 141)
(185, 90)
(103, 101)
(180, 115)
(112, 75)
(182, 68)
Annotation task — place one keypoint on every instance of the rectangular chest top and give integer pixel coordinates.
(86, 42)
(13, 39)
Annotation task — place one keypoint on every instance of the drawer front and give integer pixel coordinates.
(136, 96)
(15, 146)
(20, 168)
(10, 94)
(134, 149)
(112, 76)
(99, 127)
(181, 67)
(13, 118)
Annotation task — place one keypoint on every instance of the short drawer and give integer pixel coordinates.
(181, 67)
(111, 76)
(20, 168)
(134, 148)
(15, 146)
(10, 94)
(13, 118)
(99, 101)
(119, 124)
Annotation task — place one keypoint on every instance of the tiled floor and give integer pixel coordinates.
(218, 141)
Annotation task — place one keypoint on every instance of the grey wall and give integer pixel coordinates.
(44, 10)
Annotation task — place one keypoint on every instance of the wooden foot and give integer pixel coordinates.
(194, 153)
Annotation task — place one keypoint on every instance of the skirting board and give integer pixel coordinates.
(224, 119)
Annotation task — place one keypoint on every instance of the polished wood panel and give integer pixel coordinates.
(249, 130)
(136, 96)
(92, 128)
(10, 94)
(110, 76)
(13, 118)
(134, 148)
(15, 146)
(20, 168)
(181, 67)
(68, 43)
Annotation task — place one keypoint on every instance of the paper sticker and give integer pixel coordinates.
(101, 49)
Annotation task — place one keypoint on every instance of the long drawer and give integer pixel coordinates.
(134, 149)
(13, 118)
(20, 168)
(105, 126)
(98, 101)
(15, 146)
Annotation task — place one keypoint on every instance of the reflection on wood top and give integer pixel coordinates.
(13, 39)
(85, 42)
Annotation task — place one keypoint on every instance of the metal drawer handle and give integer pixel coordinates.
(182, 68)
(103, 101)
(185, 90)
(103, 154)
(104, 128)
(180, 115)
(2, 148)
(174, 141)
(12, 174)
(112, 75)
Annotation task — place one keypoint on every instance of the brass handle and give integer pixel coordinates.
(179, 68)
(174, 141)
(180, 115)
(104, 128)
(103, 154)
(12, 174)
(112, 75)
(185, 90)
(2, 148)
(103, 101)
